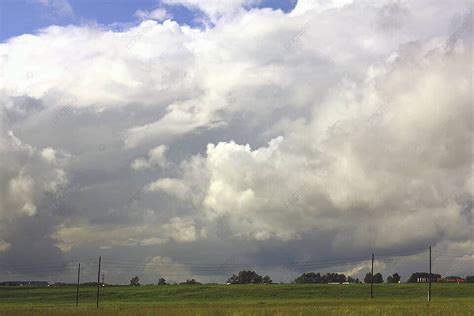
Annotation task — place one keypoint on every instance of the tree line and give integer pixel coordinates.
(251, 277)
(311, 277)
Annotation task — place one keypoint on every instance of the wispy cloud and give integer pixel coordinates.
(57, 8)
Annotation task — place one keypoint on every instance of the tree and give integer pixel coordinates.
(267, 280)
(394, 278)
(470, 279)
(368, 278)
(334, 278)
(377, 278)
(162, 281)
(135, 281)
(311, 277)
(247, 277)
(352, 280)
(234, 279)
(308, 278)
(191, 282)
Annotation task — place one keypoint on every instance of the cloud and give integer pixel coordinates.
(57, 8)
(364, 266)
(32, 182)
(183, 230)
(67, 237)
(166, 268)
(213, 9)
(49, 154)
(4, 246)
(27, 175)
(156, 158)
(303, 6)
(173, 187)
(147, 233)
(156, 14)
(383, 193)
(22, 187)
(322, 128)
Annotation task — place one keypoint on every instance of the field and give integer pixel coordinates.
(354, 299)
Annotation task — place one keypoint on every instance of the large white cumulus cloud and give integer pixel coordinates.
(384, 153)
(346, 120)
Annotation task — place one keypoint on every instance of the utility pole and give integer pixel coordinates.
(429, 289)
(98, 283)
(78, 278)
(372, 279)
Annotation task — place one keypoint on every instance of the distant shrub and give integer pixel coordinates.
(191, 282)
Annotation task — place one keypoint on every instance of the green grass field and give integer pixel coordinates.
(354, 299)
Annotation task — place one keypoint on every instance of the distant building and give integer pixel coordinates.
(434, 279)
(452, 279)
(423, 277)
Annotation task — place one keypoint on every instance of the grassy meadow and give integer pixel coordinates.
(352, 299)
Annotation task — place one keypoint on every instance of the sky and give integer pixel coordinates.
(193, 139)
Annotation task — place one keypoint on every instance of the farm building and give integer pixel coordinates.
(423, 277)
(452, 279)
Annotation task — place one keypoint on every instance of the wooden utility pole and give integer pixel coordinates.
(429, 289)
(78, 280)
(98, 283)
(372, 279)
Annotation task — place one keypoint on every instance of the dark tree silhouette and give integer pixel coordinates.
(267, 280)
(135, 281)
(394, 278)
(352, 280)
(248, 277)
(377, 278)
(309, 277)
(191, 282)
(162, 281)
(312, 277)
